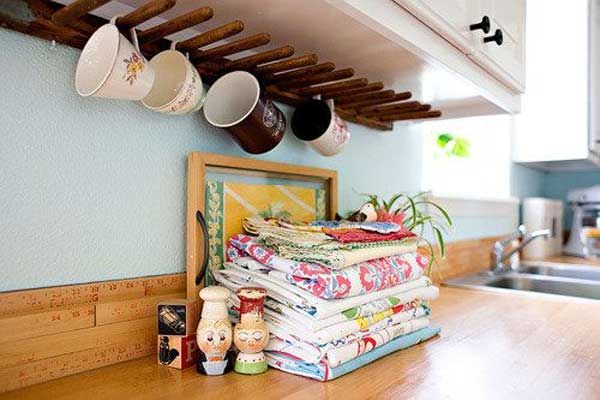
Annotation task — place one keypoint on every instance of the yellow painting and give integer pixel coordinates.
(244, 200)
(228, 203)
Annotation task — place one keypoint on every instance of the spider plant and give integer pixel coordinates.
(419, 215)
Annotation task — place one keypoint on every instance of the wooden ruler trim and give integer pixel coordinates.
(119, 311)
(36, 300)
(68, 364)
(39, 348)
(46, 323)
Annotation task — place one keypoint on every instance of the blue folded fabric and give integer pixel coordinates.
(323, 373)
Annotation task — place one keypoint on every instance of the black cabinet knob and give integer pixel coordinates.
(484, 25)
(496, 37)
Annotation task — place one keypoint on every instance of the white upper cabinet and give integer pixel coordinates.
(449, 18)
(558, 123)
(490, 32)
(502, 50)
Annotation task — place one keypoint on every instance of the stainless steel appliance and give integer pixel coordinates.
(586, 213)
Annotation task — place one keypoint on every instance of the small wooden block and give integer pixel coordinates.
(178, 317)
(179, 352)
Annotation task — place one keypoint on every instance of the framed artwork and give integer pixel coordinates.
(224, 190)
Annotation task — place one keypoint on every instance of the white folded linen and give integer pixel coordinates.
(293, 333)
(343, 350)
(314, 306)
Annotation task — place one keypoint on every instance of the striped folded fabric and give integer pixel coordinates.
(322, 372)
(362, 278)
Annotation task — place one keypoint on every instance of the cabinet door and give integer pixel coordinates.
(553, 124)
(505, 61)
(448, 18)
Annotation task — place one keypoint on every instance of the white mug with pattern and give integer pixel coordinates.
(178, 87)
(317, 123)
(110, 66)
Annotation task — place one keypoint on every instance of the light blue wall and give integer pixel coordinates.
(92, 189)
(554, 185)
(526, 182)
(478, 227)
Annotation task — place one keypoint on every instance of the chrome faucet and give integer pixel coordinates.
(500, 254)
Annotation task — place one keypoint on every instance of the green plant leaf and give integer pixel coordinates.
(460, 148)
(374, 199)
(440, 209)
(432, 258)
(421, 194)
(443, 139)
(393, 199)
(413, 208)
(440, 240)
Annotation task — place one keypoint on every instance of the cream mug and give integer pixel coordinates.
(177, 87)
(110, 66)
(317, 123)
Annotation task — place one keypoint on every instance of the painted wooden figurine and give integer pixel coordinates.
(214, 334)
(251, 334)
(366, 213)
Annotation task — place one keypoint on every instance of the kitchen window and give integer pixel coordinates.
(468, 157)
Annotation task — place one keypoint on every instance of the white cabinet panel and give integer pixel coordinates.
(506, 61)
(452, 19)
(553, 124)
(449, 18)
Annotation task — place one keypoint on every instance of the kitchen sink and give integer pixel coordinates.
(546, 278)
(541, 285)
(564, 270)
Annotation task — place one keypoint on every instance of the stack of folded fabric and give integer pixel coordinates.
(340, 295)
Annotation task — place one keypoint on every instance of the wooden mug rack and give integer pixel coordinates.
(287, 78)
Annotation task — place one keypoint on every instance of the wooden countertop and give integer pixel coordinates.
(492, 345)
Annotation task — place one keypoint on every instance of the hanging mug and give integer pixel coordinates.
(177, 87)
(316, 122)
(235, 102)
(110, 66)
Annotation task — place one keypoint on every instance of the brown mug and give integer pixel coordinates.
(235, 102)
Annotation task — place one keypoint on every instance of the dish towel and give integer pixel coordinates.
(349, 235)
(336, 256)
(293, 332)
(366, 277)
(314, 306)
(344, 349)
(322, 372)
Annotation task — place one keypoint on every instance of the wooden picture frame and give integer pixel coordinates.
(201, 163)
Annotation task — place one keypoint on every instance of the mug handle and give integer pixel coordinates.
(173, 46)
(329, 102)
(134, 39)
(114, 19)
(132, 32)
(202, 223)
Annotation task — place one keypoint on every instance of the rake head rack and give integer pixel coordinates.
(288, 78)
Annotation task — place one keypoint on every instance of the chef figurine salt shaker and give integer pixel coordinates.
(250, 334)
(214, 334)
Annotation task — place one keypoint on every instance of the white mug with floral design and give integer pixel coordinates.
(111, 66)
(317, 123)
(178, 87)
